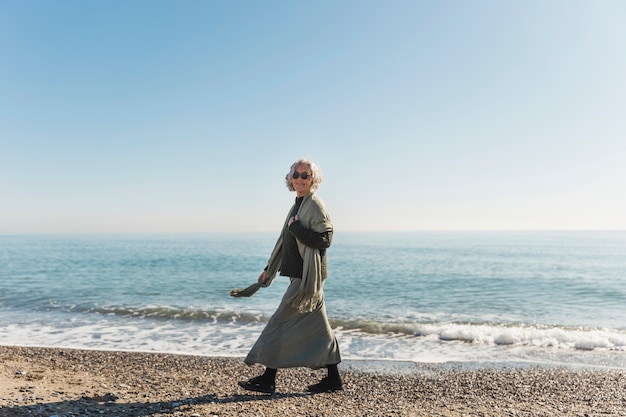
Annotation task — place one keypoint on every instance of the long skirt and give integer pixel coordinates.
(292, 339)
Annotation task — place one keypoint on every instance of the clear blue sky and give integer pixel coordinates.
(159, 116)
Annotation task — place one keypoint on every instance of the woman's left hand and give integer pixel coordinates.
(292, 219)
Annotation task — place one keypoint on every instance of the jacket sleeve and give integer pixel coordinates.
(311, 238)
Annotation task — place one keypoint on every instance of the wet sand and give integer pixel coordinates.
(67, 382)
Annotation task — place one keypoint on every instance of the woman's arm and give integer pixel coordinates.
(309, 237)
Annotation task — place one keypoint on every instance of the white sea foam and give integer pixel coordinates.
(432, 343)
(538, 336)
(502, 334)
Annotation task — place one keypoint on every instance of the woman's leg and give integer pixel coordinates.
(332, 382)
(265, 383)
(270, 375)
(333, 373)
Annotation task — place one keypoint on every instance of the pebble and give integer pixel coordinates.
(126, 384)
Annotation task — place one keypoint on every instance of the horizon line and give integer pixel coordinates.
(234, 232)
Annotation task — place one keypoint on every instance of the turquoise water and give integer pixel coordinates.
(537, 298)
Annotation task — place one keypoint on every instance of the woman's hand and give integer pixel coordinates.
(262, 277)
(292, 219)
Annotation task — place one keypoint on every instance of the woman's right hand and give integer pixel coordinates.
(262, 277)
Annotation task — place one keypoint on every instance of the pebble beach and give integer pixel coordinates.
(67, 382)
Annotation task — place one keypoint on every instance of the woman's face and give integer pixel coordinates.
(302, 187)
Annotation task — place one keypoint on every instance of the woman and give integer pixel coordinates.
(298, 334)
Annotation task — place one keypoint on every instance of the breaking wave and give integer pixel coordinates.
(486, 333)
(509, 334)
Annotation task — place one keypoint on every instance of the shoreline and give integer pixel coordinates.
(64, 382)
(378, 366)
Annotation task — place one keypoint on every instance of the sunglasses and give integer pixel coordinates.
(303, 175)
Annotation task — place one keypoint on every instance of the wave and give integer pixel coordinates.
(502, 334)
(485, 333)
(174, 313)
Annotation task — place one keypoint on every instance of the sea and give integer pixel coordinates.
(458, 299)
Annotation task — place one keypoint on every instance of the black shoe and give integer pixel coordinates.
(326, 385)
(258, 384)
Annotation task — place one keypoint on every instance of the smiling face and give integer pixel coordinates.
(302, 187)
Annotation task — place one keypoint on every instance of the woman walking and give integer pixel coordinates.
(298, 333)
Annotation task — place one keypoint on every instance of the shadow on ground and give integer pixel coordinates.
(107, 405)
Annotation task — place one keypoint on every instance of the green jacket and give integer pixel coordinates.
(313, 215)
